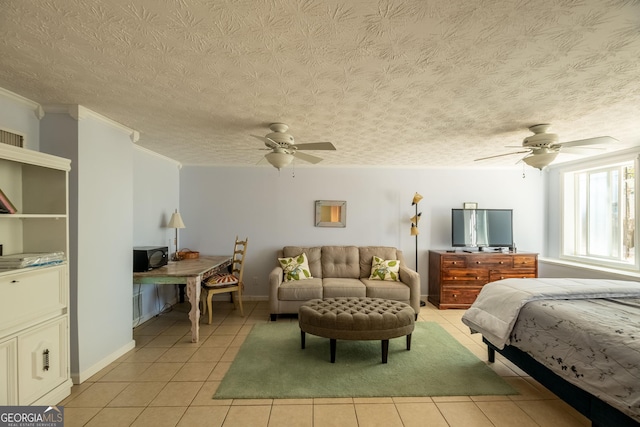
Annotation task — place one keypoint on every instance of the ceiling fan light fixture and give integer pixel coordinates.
(279, 160)
(542, 160)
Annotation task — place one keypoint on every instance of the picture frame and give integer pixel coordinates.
(331, 213)
(469, 205)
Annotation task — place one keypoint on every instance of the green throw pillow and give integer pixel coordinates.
(382, 269)
(295, 268)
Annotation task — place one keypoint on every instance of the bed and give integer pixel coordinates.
(578, 337)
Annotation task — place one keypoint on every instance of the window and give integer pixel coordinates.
(599, 215)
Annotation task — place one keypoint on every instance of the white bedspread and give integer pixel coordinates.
(496, 309)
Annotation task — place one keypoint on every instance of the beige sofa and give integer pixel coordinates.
(341, 271)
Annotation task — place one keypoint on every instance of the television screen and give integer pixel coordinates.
(482, 227)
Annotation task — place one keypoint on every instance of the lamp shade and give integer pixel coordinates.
(414, 230)
(416, 218)
(542, 160)
(279, 160)
(416, 198)
(175, 221)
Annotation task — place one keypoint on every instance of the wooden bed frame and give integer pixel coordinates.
(600, 413)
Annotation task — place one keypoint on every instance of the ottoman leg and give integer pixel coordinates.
(408, 342)
(302, 337)
(332, 344)
(385, 350)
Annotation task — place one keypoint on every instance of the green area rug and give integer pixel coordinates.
(271, 364)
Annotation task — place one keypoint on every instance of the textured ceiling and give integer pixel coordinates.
(434, 83)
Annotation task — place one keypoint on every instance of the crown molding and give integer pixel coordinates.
(78, 112)
(37, 108)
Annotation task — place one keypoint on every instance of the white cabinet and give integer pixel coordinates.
(34, 301)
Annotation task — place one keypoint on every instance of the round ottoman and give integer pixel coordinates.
(356, 319)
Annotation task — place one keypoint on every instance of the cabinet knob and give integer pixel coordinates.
(477, 277)
(477, 262)
(501, 262)
(502, 277)
(15, 281)
(455, 278)
(453, 262)
(455, 295)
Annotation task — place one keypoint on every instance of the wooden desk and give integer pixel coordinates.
(190, 272)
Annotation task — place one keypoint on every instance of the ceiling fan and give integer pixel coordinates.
(542, 147)
(284, 149)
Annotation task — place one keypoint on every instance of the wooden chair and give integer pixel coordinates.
(224, 283)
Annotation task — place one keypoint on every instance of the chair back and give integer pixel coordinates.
(239, 252)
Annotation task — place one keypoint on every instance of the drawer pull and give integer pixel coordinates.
(501, 262)
(501, 277)
(455, 295)
(477, 262)
(454, 262)
(477, 278)
(45, 360)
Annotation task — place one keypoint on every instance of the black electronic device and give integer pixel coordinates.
(149, 257)
(481, 228)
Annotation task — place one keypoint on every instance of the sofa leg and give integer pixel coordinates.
(273, 317)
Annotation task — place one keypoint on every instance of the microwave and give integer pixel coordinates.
(149, 257)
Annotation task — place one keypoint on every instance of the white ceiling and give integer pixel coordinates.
(433, 83)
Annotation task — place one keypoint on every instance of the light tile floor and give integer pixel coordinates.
(169, 381)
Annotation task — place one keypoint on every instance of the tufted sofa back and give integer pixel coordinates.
(341, 261)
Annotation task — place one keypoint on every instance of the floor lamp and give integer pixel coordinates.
(414, 228)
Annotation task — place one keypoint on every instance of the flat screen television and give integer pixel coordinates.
(482, 227)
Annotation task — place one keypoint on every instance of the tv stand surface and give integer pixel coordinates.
(455, 279)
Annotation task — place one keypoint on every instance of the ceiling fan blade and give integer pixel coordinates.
(589, 141)
(581, 150)
(502, 155)
(307, 157)
(267, 141)
(316, 146)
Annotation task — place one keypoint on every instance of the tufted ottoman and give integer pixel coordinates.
(356, 319)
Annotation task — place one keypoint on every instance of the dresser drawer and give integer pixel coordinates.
(459, 274)
(490, 261)
(528, 261)
(454, 261)
(454, 296)
(511, 274)
(32, 296)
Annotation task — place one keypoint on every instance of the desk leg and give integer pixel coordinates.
(193, 293)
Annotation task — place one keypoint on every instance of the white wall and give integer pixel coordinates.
(156, 182)
(275, 209)
(101, 230)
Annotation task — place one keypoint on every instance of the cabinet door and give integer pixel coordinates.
(8, 369)
(32, 296)
(42, 352)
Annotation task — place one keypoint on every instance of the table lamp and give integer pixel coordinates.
(176, 222)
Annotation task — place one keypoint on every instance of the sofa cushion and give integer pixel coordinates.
(300, 290)
(368, 252)
(385, 269)
(336, 287)
(295, 267)
(386, 289)
(340, 261)
(313, 257)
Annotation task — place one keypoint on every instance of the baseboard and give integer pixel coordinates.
(79, 378)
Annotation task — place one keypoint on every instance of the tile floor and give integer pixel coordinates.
(169, 381)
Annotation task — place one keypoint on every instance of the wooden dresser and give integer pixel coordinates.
(456, 278)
